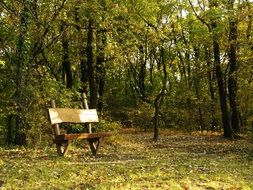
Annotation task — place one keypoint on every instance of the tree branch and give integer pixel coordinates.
(201, 19)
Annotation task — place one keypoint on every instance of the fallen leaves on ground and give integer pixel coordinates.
(132, 160)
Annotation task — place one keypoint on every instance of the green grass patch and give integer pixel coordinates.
(133, 161)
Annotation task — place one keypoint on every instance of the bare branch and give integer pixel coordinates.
(201, 19)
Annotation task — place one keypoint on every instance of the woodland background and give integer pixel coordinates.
(184, 65)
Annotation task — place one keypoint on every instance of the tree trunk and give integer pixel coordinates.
(232, 75)
(100, 67)
(156, 117)
(66, 68)
(211, 88)
(90, 65)
(228, 133)
(181, 64)
(142, 73)
(196, 80)
(84, 71)
(249, 27)
(82, 54)
(101, 58)
(22, 61)
(159, 98)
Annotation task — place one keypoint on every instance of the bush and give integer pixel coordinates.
(107, 125)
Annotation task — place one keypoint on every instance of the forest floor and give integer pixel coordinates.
(131, 160)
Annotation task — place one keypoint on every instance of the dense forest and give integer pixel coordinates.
(184, 64)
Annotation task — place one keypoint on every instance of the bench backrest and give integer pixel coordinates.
(68, 115)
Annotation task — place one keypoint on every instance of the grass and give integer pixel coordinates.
(133, 161)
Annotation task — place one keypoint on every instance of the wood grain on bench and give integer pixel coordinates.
(68, 115)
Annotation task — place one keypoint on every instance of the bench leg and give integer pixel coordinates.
(95, 144)
(62, 148)
(59, 149)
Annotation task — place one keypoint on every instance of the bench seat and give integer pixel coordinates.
(73, 136)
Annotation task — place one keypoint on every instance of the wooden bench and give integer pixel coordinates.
(86, 116)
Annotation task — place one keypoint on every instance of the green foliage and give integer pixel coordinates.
(106, 124)
(133, 33)
(74, 128)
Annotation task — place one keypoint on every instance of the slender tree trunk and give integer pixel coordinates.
(101, 87)
(84, 71)
(201, 121)
(196, 80)
(249, 27)
(91, 65)
(82, 54)
(18, 127)
(151, 69)
(159, 98)
(142, 73)
(138, 70)
(66, 67)
(232, 75)
(211, 88)
(100, 67)
(228, 133)
(181, 64)
(10, 129)
(156, 117)
(101, 58)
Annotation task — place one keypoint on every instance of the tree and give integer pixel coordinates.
(214, 15)
(189, 62)
(22, 62)
(66, 67)
(232, 74)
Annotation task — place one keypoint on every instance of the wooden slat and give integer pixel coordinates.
(82, 136)
(67, 115)
(85, 105)
(55, 126)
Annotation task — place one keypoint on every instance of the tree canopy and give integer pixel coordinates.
(161, 64)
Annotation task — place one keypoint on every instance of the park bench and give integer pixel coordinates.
(58, 116)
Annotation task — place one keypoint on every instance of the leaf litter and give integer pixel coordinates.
(133, 161)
